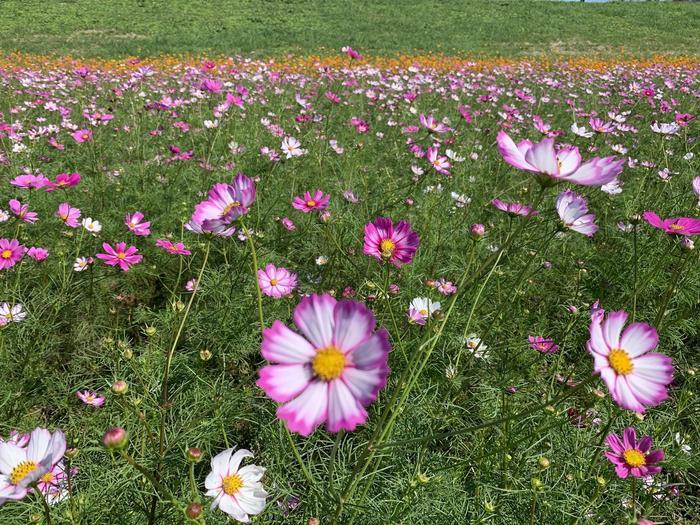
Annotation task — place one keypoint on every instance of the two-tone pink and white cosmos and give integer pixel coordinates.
(636, 377)
(331, 370)
(573, 212)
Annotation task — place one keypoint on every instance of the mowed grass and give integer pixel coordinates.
(266, 27)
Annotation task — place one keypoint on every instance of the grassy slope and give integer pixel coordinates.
(496, 27)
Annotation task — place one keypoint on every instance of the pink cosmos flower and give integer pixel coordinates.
(636, 377)
(276, 282)
(513, 208)
(68, 215)
(21, 211)
(120, 255)
(674, 226)
(563, 165)
(90, 398)
(38, 254)
(21, 440)
(387, 242)
(225, 203)
(175, 249)
(600, 126)
(54, 484)
(64, 180)
(29, 181)
(445, 287)
(82, 135)
(432, 124)
(351, 52)
(11, 252)
(288, 224)
(542, 344)
(136, 226)
(633, 457)
(696, 187)
(309, 203)
(573, 212)
(440, 163)
(331, 371)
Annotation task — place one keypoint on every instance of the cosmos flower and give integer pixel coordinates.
(291, 147)
(477, 348)
(421, 309)
(29, 181)
(573, 212)
(82, 263)
(120, 255)
(513, 208)
(136, 224)
(331, 371)
(225, 203)
(438, 162)
(396, 244)
(351, 52)
(12, 313)
(91, 225)
(11, 252)
(90, 398)
(38, 254)
(563, 165)
(82, 135)
(236, 491)
(696, 188)
(687, 226)
(68, 215)
(542, 344)
(54, 484)
(22, 466)
(636, 377)
(581, 131)
(309, 203)
(432, 124)
(63, 181)
(276, 282)
(174, 249)
(665, 129)
(21, 211)
(632, 457)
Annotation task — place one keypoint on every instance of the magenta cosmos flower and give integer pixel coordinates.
(120, 255)
(387, 242)
(544, 345)
(573, 212)
(21, 211)
(82, 135)
(90, 398)
(137, 225)
(331, 371)
(68, 215)
(636, 377)
(63, 181)
(674, 226)
(309, 203)
(513, 208)
(225, 203)
(175, 249)
(11, 252)
(276, 282)
(633, 457)
(562, 165)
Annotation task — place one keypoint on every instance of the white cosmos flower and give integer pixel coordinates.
(91, 225)
(291, 147)
(475, 346)
(581, 131)
(236, 491)
(14, 313)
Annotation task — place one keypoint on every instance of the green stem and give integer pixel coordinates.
(603, 435)
(45, 505)
(298, 457)
(669, 292)
(251, 244)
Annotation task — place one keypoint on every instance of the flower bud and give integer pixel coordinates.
(178, 306)
(194, 454)
(543, 462)
(71, 452)
(687, 244)
(537, 483)
(313, 521)
(150, 331)
(489, 506)
(115, 438)
(194, 510)
(600, 480)
(477, 231)
(120, 387)
(325, 216)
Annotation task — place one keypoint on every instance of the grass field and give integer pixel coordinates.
(490, 27)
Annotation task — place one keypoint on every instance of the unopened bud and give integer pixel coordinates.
(194, 454)
(115, 438)
(150, 331)
(313, 521)
(193, 510)
(120, 387)
(536, 483)
(72, 452)
(600, 480)
(687, 244)
(477, 231)
(205, 355)
(543, 462)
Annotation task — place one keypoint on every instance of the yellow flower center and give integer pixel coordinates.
(329, 363)
(121, 255)
(232, 484)
(387, 248)
(273, 282)
(620, 361)
(229, 207)
(21, 471)
(311, 203)
(423, 312)
(6, 254)
(47, 478)
(634, 458)
(676, 227)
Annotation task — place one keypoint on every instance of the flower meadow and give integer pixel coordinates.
(349, 290)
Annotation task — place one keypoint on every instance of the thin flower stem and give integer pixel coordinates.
(634, 283)
(603, 435)
(634, 498)
(387, 296)
(251, 244)
(45, 505)
(669, 292)
(298, 457)
(157, 485)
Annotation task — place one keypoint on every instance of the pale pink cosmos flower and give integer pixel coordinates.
(632, 457)
(687, 226)
(432, 124)
(137, 225)
(445, 287)
(421, 309)
(20, 467)
(291, 147)
(331, 371)
(513, 208)
(68, 215)
(573, 212)
(440, 163)
(175, 249)
(563, 165)
(14, 313)
(82, 263)
(11, 252)
(309, 203)
(276, 282)
(90, 398)
(17, 438)
(82, 135)
(696, 188)
(288, 224)
(225, 203)
(636, 377)
(54, 484)
(21, 211)
(389, 242)
(120, 255)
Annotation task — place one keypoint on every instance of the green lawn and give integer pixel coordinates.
(491, 27)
